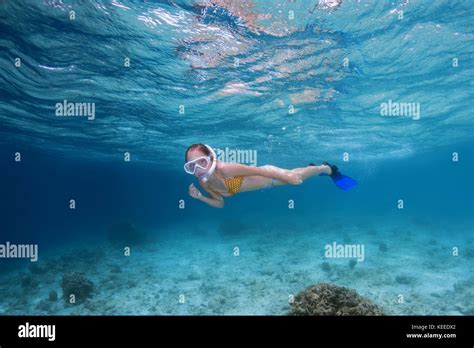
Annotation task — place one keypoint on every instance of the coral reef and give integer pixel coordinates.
(115, 269)
(404, 279)
(125, 234)
(469, 252)
(463, 294)
(329, 299)
(53, 296)
(231, 227)
(29, 282)
(37, 268)
(76, 284)
(44, 306)
(326, 267)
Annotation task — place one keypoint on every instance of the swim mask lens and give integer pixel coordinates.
(200, 162)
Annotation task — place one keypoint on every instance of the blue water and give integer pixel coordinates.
(237, 75)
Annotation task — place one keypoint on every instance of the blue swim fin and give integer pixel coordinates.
(343, 182)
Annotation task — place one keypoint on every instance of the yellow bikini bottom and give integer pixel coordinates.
(234, 184)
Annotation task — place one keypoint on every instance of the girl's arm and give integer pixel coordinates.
(216, 201)
(233, 169)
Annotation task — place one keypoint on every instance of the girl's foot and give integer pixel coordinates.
(330, 168)
(334, 170)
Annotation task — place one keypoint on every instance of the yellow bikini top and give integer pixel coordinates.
(234, 184)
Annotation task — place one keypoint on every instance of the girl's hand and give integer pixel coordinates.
(194, 192)
(294, 179)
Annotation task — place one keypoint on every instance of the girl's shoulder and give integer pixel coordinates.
(225, 169)
(222, 167)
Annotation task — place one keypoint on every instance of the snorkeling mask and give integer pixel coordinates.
(202, 162)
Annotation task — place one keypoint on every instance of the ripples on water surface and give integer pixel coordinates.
(237, 68)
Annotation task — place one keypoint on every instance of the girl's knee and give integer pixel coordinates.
(269, 167)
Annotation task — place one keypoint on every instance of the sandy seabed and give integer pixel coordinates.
(408, 269)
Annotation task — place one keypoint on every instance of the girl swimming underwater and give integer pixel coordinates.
(222, 179)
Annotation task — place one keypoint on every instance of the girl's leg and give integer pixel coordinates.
(257, 182)
(309, 171)
(303, 173)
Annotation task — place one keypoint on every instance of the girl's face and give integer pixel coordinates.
(196, 153)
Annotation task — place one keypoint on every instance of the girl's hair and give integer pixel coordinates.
(201, 147)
